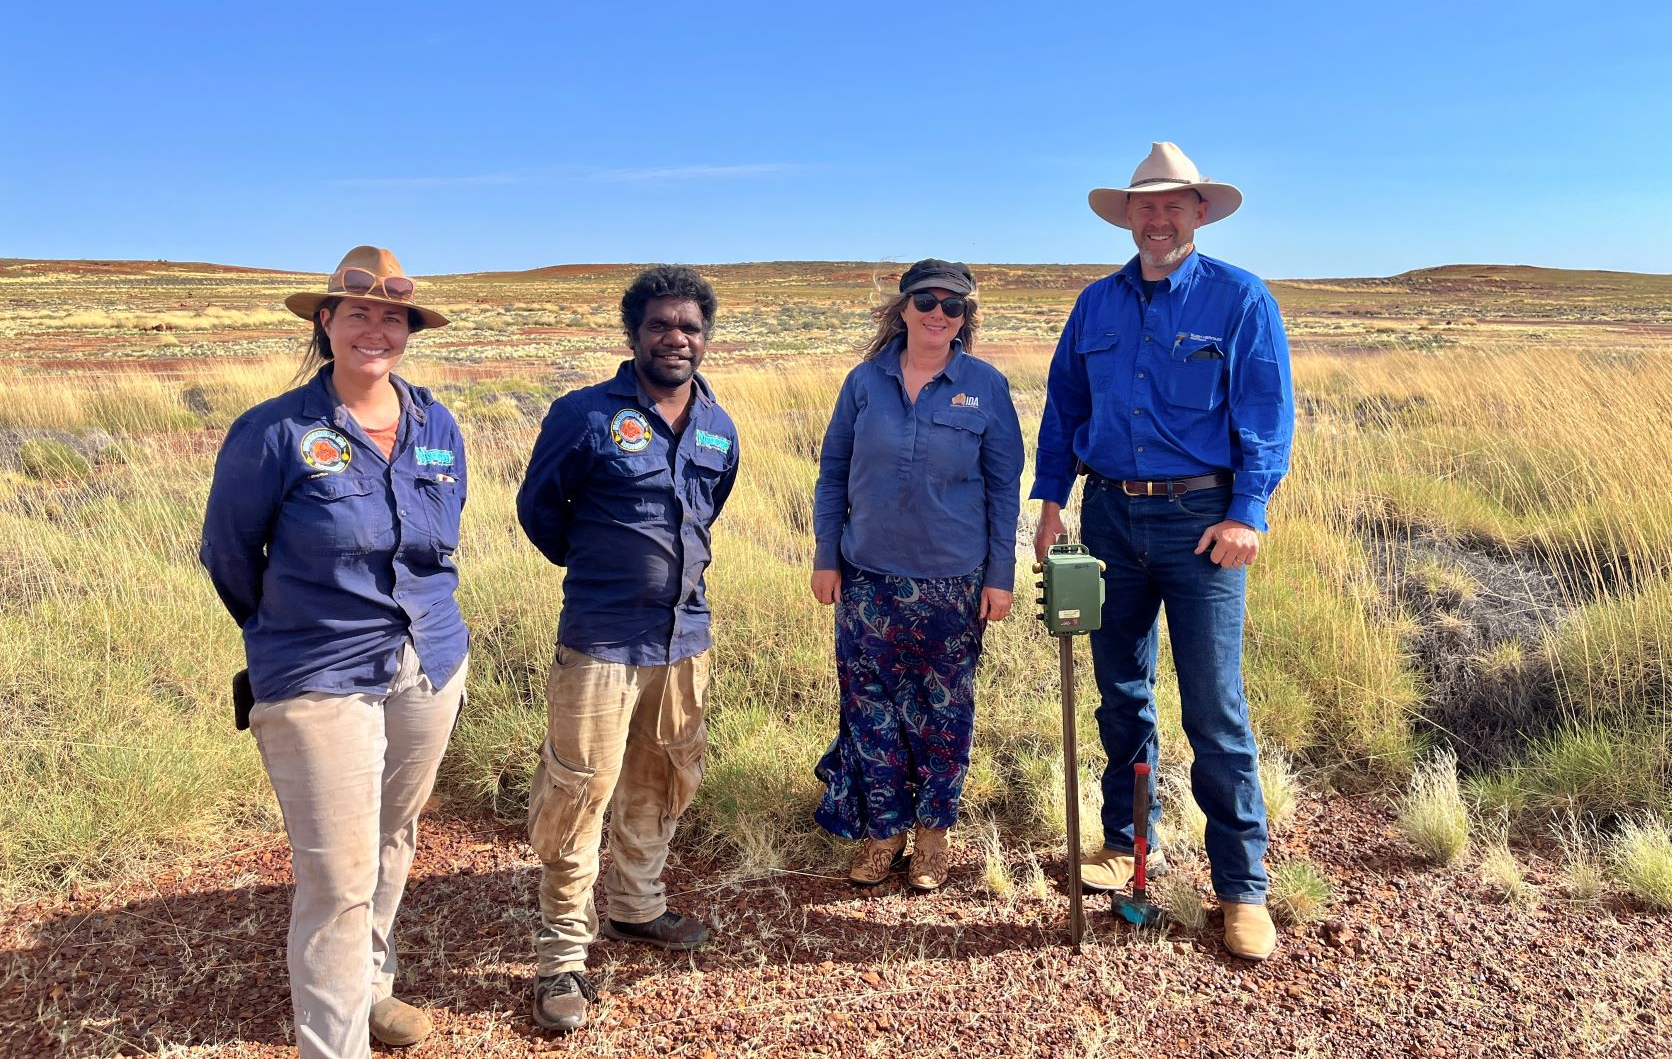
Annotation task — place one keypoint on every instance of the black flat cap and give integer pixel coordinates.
(954, 276)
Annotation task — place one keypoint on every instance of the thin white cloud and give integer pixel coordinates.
(579, 173)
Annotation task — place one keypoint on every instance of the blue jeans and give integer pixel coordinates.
(1149, 545)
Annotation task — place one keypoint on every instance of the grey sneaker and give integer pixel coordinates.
(561, 1001)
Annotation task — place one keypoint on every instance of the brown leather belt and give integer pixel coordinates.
(1168, 486)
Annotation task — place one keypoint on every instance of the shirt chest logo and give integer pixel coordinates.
(706, 440)
(325, 450)
(964, 400)
(630, 430)
(434, 457)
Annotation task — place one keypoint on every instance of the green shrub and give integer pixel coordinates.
(1641, 856)
(1432, 814)
(52, 461)
(1299, 892)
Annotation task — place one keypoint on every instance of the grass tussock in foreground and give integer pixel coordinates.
(114, 653)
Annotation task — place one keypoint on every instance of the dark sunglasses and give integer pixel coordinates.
(358, 281)
(952, 305)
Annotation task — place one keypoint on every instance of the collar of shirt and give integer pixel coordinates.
(319, 399)
(626, 384)
(891, 355)
(1179, 279)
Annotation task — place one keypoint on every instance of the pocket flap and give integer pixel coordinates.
(962, 418)
(336, 486)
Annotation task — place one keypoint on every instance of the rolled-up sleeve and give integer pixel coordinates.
(1067, 409)
(830, 495)
(238, 519)
(1262, 409)
(1001, 472)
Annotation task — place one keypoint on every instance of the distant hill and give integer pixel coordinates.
(79, 267)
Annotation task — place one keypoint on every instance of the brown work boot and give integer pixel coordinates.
(1109, 869)
(561, 1001)
(398, 1024)
(1248, 930)
(876, 859)
(930, 858)
(670, 930)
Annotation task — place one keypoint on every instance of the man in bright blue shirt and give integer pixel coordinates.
(1170, 390)
(623, 487)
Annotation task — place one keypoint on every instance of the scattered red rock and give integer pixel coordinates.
(1412, 961)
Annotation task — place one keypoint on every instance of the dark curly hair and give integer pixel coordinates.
(666, 281)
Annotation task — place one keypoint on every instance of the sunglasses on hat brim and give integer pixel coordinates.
(953, 305)
(358, 281)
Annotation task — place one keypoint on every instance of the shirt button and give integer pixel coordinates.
(1140, 448)
(1146, 338)
(403, 513)
(1137, 411)
(1140, 375)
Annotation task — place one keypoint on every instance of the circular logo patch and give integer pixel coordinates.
(630, 431)
(326, 450)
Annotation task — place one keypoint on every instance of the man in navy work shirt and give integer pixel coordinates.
(1170, 389)
(622, 489)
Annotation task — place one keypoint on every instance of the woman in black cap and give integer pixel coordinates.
(915, 524)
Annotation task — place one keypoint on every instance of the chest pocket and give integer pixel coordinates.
(703, 472)
(442, 500)
(1195, 376)
(955, 444)
(1102, 355)
(639, 485)
(337, 514)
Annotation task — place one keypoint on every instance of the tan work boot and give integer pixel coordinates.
(1109, 869)
(1248, 930)
(876, 859)
(397, 1023)
(930, 859)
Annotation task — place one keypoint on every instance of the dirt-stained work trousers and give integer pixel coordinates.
(351, 773)
(631, 733)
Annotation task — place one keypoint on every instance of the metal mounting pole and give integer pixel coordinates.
(1071, 784)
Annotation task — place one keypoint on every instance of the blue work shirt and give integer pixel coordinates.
(1195, 381)
(925, 488)
(614, 495)
(329, 555)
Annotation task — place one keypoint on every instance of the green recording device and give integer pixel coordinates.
(1071, 600)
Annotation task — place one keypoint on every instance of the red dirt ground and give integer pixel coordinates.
(1414, 961)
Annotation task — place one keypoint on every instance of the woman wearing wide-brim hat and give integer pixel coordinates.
(329, 535)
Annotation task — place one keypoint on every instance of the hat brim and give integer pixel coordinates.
(1110, 203)
(306, 305)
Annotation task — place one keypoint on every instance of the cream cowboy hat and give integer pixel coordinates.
(1166, 169)
(371, 274)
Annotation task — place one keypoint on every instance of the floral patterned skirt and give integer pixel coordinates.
(906, 651)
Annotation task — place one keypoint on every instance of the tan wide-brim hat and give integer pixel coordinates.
(1166, 169)
(381, 265)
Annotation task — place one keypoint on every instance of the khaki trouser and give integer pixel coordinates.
(632, 732)
(351, 773)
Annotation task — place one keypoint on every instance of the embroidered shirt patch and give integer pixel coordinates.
(964, 400)
(326, 450)
(713, 441)
(434, 457)
(630, 431)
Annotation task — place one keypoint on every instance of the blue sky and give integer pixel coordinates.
(504, 135)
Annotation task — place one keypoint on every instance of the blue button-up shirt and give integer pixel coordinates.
(330, 555)
(1195, 381)
(614, 495)
(925, 488)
